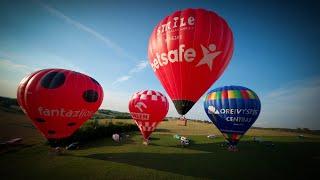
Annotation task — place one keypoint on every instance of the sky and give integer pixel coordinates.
(276, 50)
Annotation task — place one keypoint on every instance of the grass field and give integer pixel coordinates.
(164, 158)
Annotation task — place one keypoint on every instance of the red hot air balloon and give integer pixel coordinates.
(59, 101)
(148, 108)
(188, 51)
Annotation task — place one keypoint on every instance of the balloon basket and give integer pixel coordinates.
(145, 142)
(182, 121)
(56, 151)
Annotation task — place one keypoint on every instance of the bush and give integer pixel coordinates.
(93, 129)
(123, 117)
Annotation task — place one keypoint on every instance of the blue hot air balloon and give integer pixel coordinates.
(233, 110)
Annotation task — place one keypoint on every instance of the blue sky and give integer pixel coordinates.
(276, 50)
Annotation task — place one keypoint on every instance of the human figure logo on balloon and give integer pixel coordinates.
(178, 55)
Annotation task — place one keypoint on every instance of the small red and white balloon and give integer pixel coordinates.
(148, 108)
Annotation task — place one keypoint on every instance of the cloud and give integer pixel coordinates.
(12, 72)
(12, 66)
(109, 43)
(137, 68)
(121, 79)
(295, 105)
(56, 61)
(52, 61)
(140, 66)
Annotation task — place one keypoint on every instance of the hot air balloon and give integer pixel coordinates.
(59, 101)
(233, 110)
(148, 108)
(188, 51)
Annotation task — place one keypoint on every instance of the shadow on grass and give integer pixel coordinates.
(154, 139)
(14, 148)
(106, 142)
(290, 160)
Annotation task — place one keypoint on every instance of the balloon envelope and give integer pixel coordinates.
(148, 108)
(233, 110)
(188, 51)
(59, 101)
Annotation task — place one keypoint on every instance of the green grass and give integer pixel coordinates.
(291, 158)
(164, 158)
